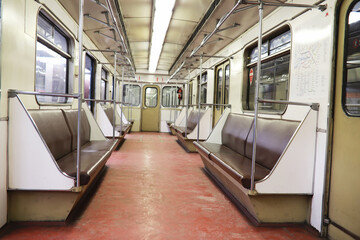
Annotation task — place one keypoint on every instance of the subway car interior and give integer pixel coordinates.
(161, 119)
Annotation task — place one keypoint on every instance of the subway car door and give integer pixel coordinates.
(150, 111)
(344, 183)
(221, 89)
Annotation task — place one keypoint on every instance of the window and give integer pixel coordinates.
(104, 84)
(190, 96)
(52, 61)
(151, 96)
(227, 84)
(274, 81)
(351, 91)
(131, 95)
(170, 96)
(89, 80)
(203, 88)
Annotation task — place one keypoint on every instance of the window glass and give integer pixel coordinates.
(151, 96)
(264, 52)
(351, 97)
(131, 95)
(89, 80)
(190, 97)
(203, 87)
(219, 87)
(227, 84)
(280, 42)
(103, 87)
(51, 62)
(51, 33)
(104, 74)
(170, 96)
(274, 81)
(103, 84)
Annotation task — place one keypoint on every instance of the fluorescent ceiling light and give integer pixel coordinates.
(162, 15)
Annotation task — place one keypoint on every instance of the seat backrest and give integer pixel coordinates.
(71, 117)
(54, 130)
(273, 135)
(192, 120)
(236, 131)
(109, 113)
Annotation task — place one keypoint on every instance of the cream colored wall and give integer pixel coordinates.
(19, 47)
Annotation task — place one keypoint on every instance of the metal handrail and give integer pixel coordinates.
(215, 104)
(98, 100)
(352, 105)
(48, 94)
(312, 105)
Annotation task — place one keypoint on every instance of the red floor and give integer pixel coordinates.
(153, 189)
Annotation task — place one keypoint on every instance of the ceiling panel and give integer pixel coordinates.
(186, 28)
(136, 8)
(138, 29)
(191, 10)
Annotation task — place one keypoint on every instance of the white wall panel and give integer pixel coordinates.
(3, 173)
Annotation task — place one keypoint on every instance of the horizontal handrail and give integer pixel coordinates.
(215, 104)
(352, 105)
(98, 100)
(17, 92)
(314, 106)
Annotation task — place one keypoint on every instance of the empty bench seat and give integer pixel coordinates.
(123, 129)
(59, 131)
(235, 153)
(230, 161)
(181, 132)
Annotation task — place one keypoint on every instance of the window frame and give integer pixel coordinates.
(246, 102)
(56, 26)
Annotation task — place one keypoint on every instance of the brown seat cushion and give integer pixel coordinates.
(71, 117)
(236, 131)
(95, 146)
(207, 148)
(273, 135)
(240, 165)
(54, 130)
(89, 161)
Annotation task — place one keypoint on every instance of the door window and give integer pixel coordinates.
(351, 91)
(151, 96)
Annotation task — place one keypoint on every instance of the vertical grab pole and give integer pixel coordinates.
(121, 106)
(128, 103)
(114, 90)
(78, 151)
(256, 100)
(199, 98)
(131, 109)
(187, 103)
